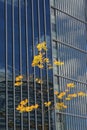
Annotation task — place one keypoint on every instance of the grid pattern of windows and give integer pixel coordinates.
(24, 23)
(69, 44)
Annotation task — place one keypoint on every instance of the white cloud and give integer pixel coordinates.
(72, 32)
(73, 7)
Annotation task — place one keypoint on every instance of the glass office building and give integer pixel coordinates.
(24, 23)
(63, 25)
(69, 44)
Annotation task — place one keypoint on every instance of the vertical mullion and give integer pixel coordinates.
(13, 58)
(27, 65)
(40, 69)
(6, 64)
(38, 21)
(53, 70)
(58, 53)
(20, 53)
(46, 57)
(34, 67)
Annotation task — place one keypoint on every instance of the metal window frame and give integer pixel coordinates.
(34, 54)
(20, 52)
(27, 57)
(13, 61)
(6, 64)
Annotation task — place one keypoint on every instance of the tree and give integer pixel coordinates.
(40, 61)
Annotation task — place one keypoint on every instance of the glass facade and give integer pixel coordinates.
(24, 23)
(69, 44)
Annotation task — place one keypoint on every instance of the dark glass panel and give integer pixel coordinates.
(2, 67)
(17, 63)
(17, 33)
(10, 66)
(42, 23)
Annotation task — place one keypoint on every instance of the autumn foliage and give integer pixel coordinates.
(39, 61)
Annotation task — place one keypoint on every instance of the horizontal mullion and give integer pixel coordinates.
(82, 21)
(73, 115)
(68, 45)
(74, 80)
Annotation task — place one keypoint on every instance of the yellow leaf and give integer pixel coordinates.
(39, 81)
(24, 102)
(60, 96)
(65, 106)
(58, 63)
(36, 79)
(28, 109)
(60, 106)
(81, 94)
(36, 106)
(41, 46)
(47, 104)
(72, 95)
(18, 78)
(19, 107)
(68, 98)
(38, 59)
(18, 83)
(32, 106)
(40, 66)
(70, 85)
(46, 60)
(22, 109)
